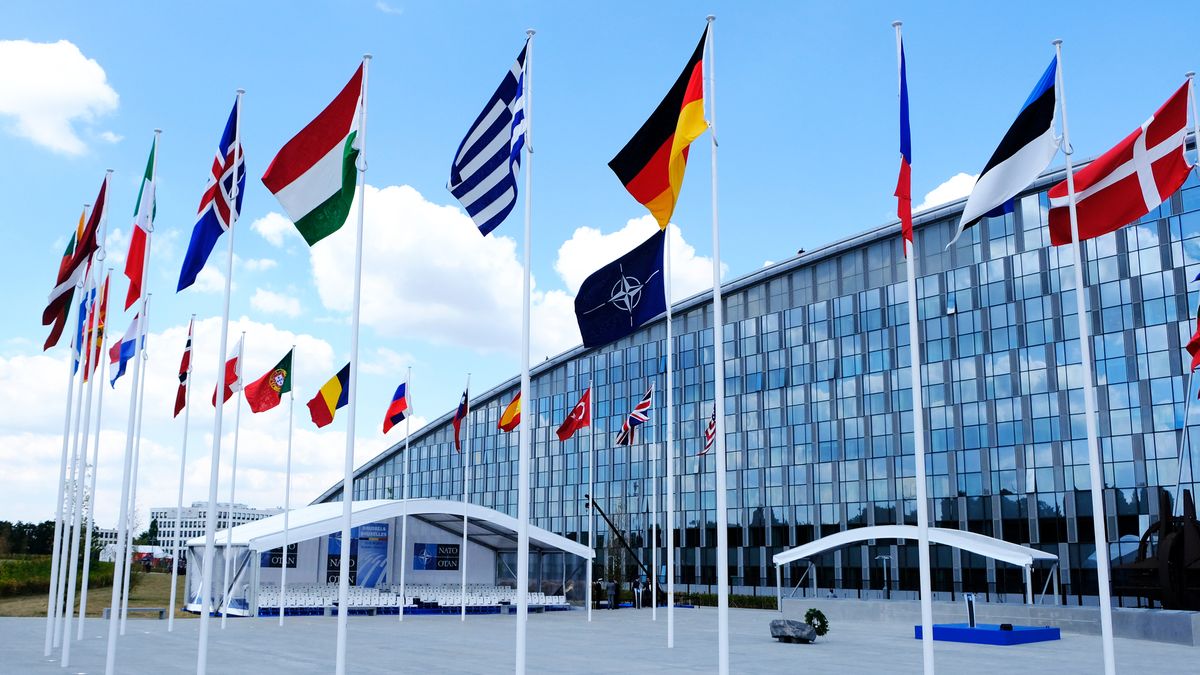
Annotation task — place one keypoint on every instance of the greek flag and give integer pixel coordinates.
(483, 176)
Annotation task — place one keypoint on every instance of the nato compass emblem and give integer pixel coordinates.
(626, 293)
(277, 380)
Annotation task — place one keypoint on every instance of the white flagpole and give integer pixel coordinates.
(91, 523)
(591, 507)
(210, 519)
(187, 416)
(404, 495)
(81, 471)
(351, 401)
(653, 447)
(462, 556)
(1089, 393)
(525, 432)
(287, 489)
(719, 376)
(110, 658)
(1183, 442)
(226, 582)
(670, 543)
(137, 459)
(1187, 409)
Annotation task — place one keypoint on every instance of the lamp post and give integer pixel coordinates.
(887, 567)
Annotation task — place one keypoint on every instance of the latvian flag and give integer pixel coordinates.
(1129, 180)
(1024, 152)
(314, 174)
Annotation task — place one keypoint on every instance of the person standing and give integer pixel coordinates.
(612, 593)
(637, 593)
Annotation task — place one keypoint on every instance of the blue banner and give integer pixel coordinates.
(372, 540)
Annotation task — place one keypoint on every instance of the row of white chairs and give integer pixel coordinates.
(446, 595)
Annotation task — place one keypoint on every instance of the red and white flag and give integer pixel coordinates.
(233, 375)
(1126, 182)
(185, 370)
(710, 432)
(579, 418)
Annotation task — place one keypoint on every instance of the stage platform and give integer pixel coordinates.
(990, 634)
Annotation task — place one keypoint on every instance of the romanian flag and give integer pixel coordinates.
(332, 396)
(512, 415)
(904, 182)
(398, 409)
(652, 163)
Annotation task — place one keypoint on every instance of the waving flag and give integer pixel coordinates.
(332, 395)
(221, 203)
(511, 416)
(143, 218)
(464, 407)
(904, 182)
(483, 176)
(267, 391)
(95, 333)
(81, 321)
(1129, 180)
(185, 372)
(710, 432)
(397, 409)
(126, 348)
(652, 163)
(1023, 154)
(581, 416)
(72, 267)
(233, 375)
(620, 297)
(314, 174)
(641, 413)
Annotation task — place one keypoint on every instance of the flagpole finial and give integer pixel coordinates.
(1190, 74)
(108, 171)
(367, 56)
(897, 24)
(710, 18)
(240, 91)
(530, 32)
(1057, 42)
(157, 132)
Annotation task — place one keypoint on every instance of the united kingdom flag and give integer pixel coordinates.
(641, 413)
(221, 203)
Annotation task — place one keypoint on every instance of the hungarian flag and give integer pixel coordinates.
(314, 174)
(1129, 180)
(651, 164)
(904, 181)
(397, 409)
(581, 416)
(143, 217)
(464, 407)
(95, 331)
(512, 415)
(185, 372)
(71, 268)
(266, 392)
(233, 375)
(710, 431)
(333, 394)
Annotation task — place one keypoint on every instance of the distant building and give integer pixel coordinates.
(103, 536)
(193, 519)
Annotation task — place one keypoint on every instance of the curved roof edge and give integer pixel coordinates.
(318, 520)
(990, 547)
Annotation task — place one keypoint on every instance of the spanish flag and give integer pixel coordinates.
(651, 164)
(332, 396)
(512, 415)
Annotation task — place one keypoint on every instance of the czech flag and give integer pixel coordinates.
(396, 412)
(333, 395)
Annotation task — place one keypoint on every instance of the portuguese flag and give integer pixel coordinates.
(651, 164)
(265, 392)
(314, 174)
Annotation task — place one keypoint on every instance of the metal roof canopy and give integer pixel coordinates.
(486, 527)
(990, 547)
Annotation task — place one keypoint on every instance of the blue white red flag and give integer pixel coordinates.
(904, 182)
(641, 413)
(221, 203)
(126, 348)
(464, 407)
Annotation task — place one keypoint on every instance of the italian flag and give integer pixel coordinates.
(314, 175)
(135, 261)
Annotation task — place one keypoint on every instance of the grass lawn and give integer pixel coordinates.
(154, 590)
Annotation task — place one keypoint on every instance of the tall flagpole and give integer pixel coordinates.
(404, 495)
(525, 433)
(1089, 393)
(653, 530)
(226, 582)
(351, 400)
(918, 410)
(719, 375)
(91, 523)
(287, 490)
(110, 658)
(187, 416)
(210, 516)
(591, 509)
(137, 459)
(1184, 440)
(462, 561)
(1187, 409)
(670, 551)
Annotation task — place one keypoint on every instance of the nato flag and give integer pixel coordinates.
(624, 294)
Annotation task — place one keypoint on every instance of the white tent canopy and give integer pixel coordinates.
(989, 547)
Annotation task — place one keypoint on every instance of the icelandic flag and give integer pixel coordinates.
(904, 182)
(221, 203)
(483, 176)
(1024, 152)
(126, 348)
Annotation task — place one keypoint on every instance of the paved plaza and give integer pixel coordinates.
(621, 641)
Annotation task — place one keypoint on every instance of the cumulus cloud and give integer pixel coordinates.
(387, 8)
(110, 137)
(270, 302)
(48, 88)
(955, 187)
(259, 264)
(385, 361)
(210, 280)
(274, 227)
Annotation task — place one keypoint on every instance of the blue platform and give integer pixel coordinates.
(990, 634)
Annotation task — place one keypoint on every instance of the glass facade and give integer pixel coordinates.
(819, 413)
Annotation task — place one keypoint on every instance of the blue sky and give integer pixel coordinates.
(807, 121)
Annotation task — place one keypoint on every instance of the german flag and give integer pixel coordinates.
(652, 163)
(333, 395)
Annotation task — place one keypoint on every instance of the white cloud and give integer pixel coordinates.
(210, 280)
(259, 264)
(955, 187)
(274, 227)
(110, 137)
(116, 248)
(386, 361)
(388, 8)
(49, 87)
(275, 303)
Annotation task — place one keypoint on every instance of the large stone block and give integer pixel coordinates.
(787, 630)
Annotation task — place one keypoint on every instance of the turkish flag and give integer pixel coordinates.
(580, 417)
(1128, 181)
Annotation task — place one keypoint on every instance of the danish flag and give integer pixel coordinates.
(641, 413)
(1128, 181)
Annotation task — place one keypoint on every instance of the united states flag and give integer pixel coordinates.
(641, 413)
(710, 432)
(483, 176)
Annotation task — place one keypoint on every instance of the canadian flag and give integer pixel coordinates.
(1126, 182)
(233, 375)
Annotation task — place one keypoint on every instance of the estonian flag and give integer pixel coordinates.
(1023, 154)
(624, 294)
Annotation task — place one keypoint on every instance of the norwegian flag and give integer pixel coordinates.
(1129, 180)
(710, 432)
(641, 413)
(185, 372)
